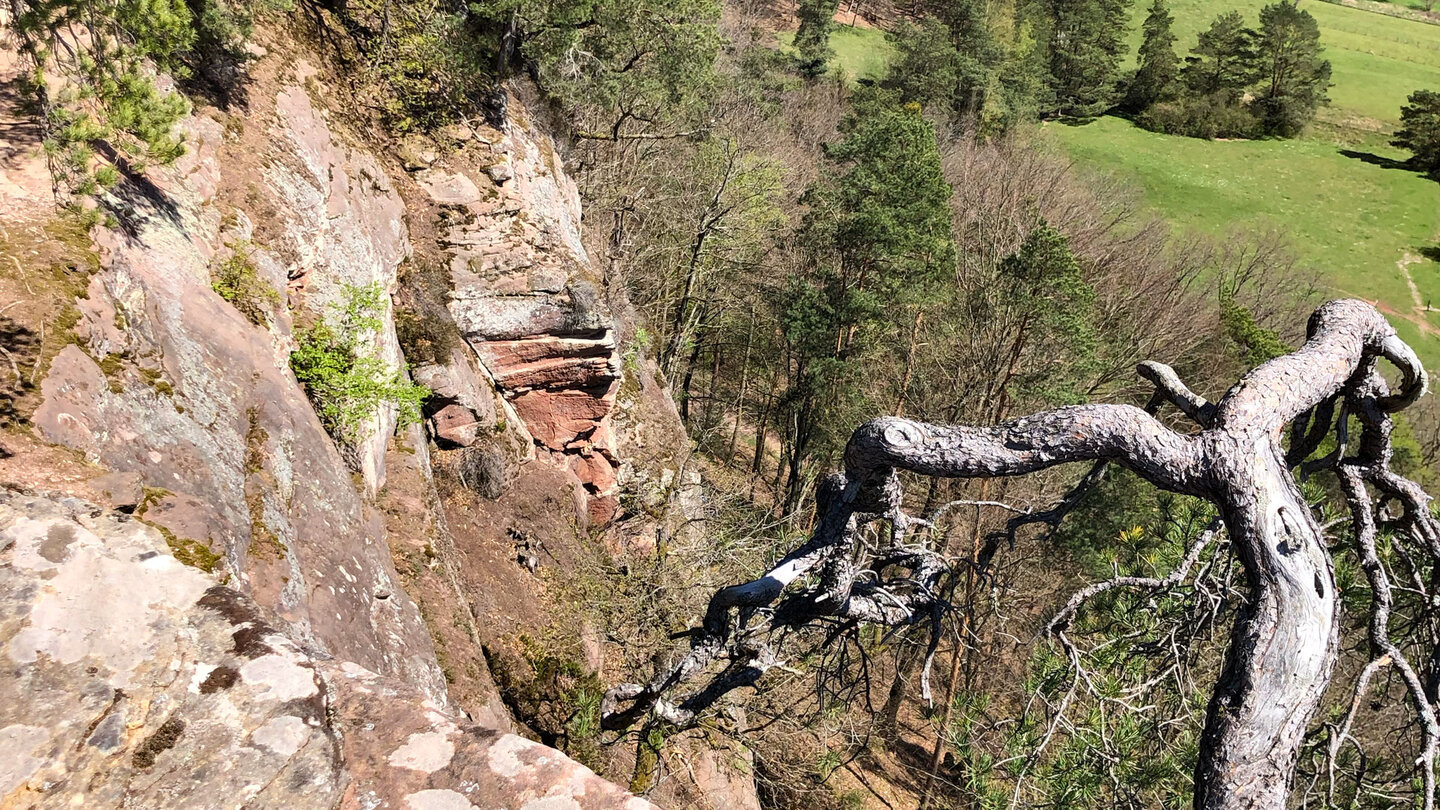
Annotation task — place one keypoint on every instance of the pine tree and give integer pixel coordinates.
(1086, 43)
(649, 69)
(1293, 76)
(812, 39)
(1420, 131)
(1159, 65)
(1047, 282)
(969, 24)
(879, 236)
(926, 66)
(1020, 86)
(92, 65)
(979, 55)
(1224, 59)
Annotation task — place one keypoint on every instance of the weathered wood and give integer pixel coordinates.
(1283, 647)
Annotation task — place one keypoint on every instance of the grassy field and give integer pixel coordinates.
(1351, 219)
(1377, 60)
(861, 52)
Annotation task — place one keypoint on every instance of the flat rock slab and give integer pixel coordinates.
(130, 680)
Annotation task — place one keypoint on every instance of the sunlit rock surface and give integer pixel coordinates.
(128, 679)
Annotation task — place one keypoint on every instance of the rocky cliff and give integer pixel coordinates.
(206, 599)
(132, 680)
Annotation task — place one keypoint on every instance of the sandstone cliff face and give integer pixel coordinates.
(131, 680)
(170, 382)
(272, 619)
(525, 296)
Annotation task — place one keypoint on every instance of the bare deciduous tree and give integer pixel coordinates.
(1284, 644)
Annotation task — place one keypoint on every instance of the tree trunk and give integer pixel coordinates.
(688, 381)
(744, 385)
(887, 725)
(1283, 648)
(1283, 644)
(707, 424)
(909, 364)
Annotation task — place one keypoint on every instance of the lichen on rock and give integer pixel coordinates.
(135, 681)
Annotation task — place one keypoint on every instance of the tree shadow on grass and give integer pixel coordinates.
(1377, 160)
(1431, 252)
(1076, 120)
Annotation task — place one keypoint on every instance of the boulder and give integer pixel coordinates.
(447, 188)
(454, 426)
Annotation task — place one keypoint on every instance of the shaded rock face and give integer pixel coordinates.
(131, 680)
(527, 300)
(170, 382)
(462, 403)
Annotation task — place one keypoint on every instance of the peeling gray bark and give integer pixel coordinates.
(1284, 643)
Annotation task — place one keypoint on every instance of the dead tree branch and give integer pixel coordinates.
(1284, 643)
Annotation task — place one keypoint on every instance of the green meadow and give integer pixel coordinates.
(1377, 59)
(860, 52)
(1351, 214)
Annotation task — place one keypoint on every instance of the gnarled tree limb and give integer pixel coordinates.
(1284, 642)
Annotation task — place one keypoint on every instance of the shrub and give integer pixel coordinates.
(483, 470)
(223, 27)
(237, 281)
(336, 362)
(426, 336)
(1256, 343)
(427, 65)
(549, 688)
(1212, 116)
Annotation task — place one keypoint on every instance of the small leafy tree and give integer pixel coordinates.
(1420, 131)
(237, 280)
(1293, 76)
(1159, 66)
(335, 360)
